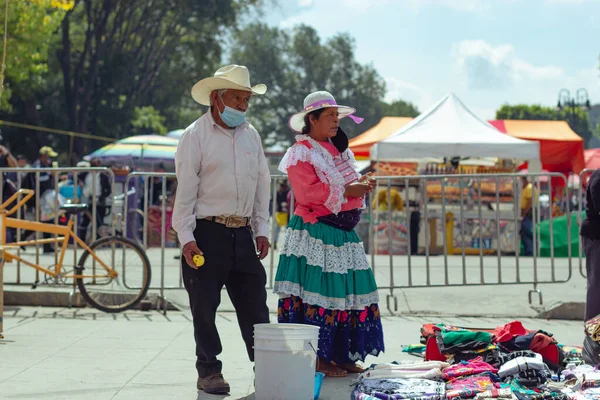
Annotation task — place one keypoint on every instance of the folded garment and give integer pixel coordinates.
(464, 368)
(469, 386)
(458, 337)
(393, 389)
(524, 393)
(456, 347)
(495, 394)
(506, 357)
(424, 370)
(514, 366)
(509, 331)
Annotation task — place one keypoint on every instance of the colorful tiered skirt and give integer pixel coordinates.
(324, 279)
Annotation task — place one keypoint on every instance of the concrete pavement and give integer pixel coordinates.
(57, 353)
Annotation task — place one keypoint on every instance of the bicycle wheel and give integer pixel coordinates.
(125, 290)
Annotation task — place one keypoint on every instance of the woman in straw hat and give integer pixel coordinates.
(323, 277)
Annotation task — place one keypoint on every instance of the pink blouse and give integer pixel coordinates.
(318, 175)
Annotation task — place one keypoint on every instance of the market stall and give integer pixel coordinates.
(473, 213)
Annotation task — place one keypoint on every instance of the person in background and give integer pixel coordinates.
(21, 163)
(9, 187)
(527, 194)
(96, 189)
(281, 210)
(46, 183)
(590, 236)
(381, 202)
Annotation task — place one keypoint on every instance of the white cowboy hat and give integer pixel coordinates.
(228, 77)
(316, 101)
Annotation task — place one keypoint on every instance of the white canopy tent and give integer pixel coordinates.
(450, 129)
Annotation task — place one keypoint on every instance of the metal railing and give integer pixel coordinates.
(47, 208)
(454, 230)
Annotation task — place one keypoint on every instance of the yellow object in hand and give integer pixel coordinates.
(198, 260)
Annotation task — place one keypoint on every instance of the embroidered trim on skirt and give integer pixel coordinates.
(324, 279)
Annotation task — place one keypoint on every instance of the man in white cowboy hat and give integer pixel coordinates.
(221, 216)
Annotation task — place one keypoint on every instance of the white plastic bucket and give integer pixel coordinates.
(285, 361)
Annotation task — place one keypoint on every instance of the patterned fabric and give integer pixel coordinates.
(523, 393)
(348, 256)
(345, 220)
(495, 394)
(469, 386)
(464, 368)
(592, 328)
(345, 336)
(406, 369)
(392, 389)
(506, 357)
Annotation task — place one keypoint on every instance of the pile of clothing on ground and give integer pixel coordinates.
(508, 362)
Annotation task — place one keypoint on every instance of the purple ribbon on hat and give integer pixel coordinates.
(331, 103)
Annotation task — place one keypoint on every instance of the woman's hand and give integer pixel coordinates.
(357, 189)
(368, 179)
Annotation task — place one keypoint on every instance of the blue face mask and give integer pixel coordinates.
(232, 117)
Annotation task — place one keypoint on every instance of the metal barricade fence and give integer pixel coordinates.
(488, 205)
(157, 193)
(583, 177)
(47, 208)
(454, 230)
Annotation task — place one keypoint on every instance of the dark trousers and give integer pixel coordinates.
(230, 261)
(527, 236)
(592, 267)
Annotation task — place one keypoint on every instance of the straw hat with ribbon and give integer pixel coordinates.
(316, 101)
(228, 77)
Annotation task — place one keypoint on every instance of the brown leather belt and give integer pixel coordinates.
(231, 221)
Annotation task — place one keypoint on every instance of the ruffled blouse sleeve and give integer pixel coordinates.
(310, 189)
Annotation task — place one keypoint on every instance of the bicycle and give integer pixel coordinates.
(92, 275)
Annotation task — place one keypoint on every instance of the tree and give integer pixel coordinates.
(116, 55)
(400, 108)
(30, 25)
(147, 120)
(294, 63)
(578, 121)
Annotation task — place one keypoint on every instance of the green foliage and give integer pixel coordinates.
(147, 120)
(400, 108)
(114, 68)
(31, 24)
(294, 63)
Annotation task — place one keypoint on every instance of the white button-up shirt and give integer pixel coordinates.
(220, 172)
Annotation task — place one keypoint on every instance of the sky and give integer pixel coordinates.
(487, 52)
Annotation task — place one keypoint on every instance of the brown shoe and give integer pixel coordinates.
(213, 384)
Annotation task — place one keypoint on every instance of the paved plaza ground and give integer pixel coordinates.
(57, 353)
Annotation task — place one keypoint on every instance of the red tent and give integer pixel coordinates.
(592, 158)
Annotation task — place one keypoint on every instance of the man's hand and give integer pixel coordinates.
(190, 249)
(262, 245)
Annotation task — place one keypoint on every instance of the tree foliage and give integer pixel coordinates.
(115, 68)
(294, 63)
(105, 59)
(31, 24)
